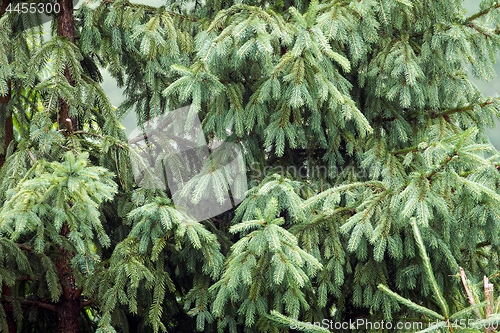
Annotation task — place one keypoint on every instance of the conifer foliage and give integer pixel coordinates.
(373, 190)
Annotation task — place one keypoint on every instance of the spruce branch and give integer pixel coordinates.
(40, 304)
(444, 113)
(410, 304)
(466, 22)
(24, 247)
(461, 109)
(482, 13)
(286, 322)
(321, 219)
(151, 9)
(101, 137)
(441, 166)
(428, 268)
(413, 149)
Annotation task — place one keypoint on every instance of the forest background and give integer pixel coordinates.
(442, 181)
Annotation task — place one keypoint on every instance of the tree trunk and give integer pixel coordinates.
(66, 28)
(8, 125)
(68, 313)
(9, 136)
(4, 100)
(11, 324)
(69, 306)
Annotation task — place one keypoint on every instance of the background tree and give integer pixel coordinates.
(369, 100)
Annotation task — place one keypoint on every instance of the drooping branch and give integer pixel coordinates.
(444, 113)
(43, 305)
(320, 220)
(482, 13)
(152, 9)
(441, 166)
(100, 137)
(24, 247)
(460, 109)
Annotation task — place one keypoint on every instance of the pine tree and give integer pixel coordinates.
(373, 190)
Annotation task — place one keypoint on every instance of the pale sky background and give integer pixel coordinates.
(491, 88)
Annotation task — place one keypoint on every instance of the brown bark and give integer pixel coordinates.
(11, 324)
(65, 20)
(8, 128)
(9, 136)
(66, 28)
(3, 7)
(68, 313)
(69, 306)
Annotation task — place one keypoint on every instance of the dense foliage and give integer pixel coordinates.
(373, 190)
